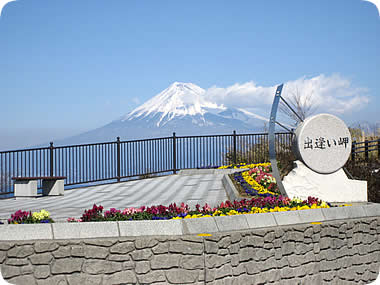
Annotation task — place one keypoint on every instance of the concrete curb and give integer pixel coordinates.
(210, 171)
(58, 231)
(230, 188)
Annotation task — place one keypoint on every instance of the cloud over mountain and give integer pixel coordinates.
(332, 94)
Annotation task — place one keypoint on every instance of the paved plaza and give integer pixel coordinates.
(191, 189)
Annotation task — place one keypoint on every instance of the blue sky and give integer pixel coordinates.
(70, 66)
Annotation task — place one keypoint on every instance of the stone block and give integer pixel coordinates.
(246, 254)
(141, 254)
(145, 243)
(77, 251)
(214, 261)
(23, 280)
(15, 261)
(27, 269)
(148, 228)
(122, 247)
(239, 270)
(91, 251)
(42, 258)
(25, 188)
(186, 247)
(45, 246)
(165, 261)
(26, 232)
(119, 257)
(162, 247)
(85, 230)
(41, 271)
(100, 266)
(192, 262)
(198, 226)
(21, 251)
(63, 251)
(66, 265)
(329, 231)
(287, 218)
(9, 271)
(231, 223)
(142, 267)
(181, 276)
(53, 187)
(211, 247)
(372, 210)
(260, 220)
(123, 277)
(150, 277)
(223, 271)
(84, 279)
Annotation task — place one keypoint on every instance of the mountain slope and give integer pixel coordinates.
(182, 108)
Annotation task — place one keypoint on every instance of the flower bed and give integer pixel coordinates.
(25, 217)
(257, 181)
(183, 211)
(160, 212)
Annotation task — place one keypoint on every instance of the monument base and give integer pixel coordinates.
(302, 182)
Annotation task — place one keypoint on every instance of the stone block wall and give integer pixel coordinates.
(336, 252)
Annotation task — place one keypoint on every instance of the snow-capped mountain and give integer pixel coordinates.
(178, 100)
(182, 108)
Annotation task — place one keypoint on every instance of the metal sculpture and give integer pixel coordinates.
(271, 136)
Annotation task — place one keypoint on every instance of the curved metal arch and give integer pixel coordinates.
(272, 140)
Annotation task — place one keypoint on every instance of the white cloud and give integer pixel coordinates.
(331, 94)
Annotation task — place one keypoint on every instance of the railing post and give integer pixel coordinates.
(174, 154)
(353, 151)
(234, 147)
(378, 149)
(366, 150)
(51, 159)
(118, 158)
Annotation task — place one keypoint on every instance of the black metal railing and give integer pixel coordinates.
(364, 149)
(122, 160)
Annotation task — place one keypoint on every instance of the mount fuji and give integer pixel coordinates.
(182, 108)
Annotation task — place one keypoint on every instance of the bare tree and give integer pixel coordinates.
(301, 104)
(265, 127)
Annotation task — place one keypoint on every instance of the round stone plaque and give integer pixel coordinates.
(323, 142)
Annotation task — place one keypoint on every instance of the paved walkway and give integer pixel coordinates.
(191, 189)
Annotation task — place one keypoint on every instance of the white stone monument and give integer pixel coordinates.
(322, 145)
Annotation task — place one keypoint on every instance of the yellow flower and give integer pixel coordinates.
(42, 215)
(305, 207)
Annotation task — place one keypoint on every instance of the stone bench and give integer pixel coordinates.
(27, 186)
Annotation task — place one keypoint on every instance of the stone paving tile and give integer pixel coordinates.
(191, 189)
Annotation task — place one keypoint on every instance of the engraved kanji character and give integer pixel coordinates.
(342, 141)
(320, 143)
(308, 143)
